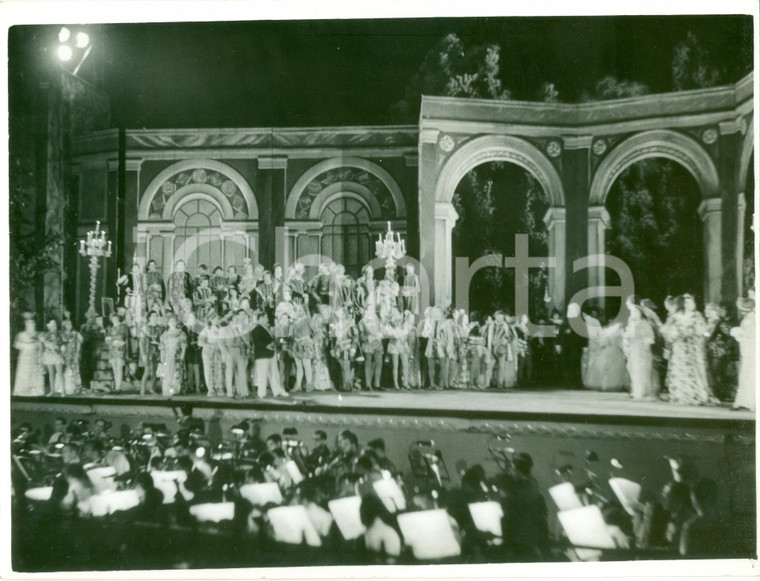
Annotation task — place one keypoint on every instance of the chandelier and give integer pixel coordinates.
(390, 249)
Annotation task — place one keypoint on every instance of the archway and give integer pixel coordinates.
(688, 156)
(655, 227)
(475, 152)
(747, 231)
(334, 209)
(201, 211)
(496, 201)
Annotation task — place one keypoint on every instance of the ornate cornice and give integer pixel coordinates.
(370, 420)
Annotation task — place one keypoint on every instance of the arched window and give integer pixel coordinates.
(196, 228)
(345, 233)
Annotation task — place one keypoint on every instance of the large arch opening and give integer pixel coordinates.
(527, 168)
(655, 227)
(495, 201)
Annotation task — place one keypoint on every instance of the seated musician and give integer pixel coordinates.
(377, 446)
(59, 435)
(100, 430)
(320, 453)
(343, 460)
(273, 464)
(94, 454)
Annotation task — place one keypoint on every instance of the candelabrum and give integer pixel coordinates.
(391, 249)
(95, 247)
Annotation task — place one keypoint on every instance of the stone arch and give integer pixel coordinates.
(143, 212)
(348, 189)
(499, 148)
(658, 143)
(339, 162)
(194, 192)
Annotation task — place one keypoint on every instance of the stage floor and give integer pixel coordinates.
(559, 404)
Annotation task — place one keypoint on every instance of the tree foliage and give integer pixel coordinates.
(611, 87)
(655, 228)
(452, 69)
(693, 66)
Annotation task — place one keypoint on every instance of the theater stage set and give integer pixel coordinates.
(556, 426)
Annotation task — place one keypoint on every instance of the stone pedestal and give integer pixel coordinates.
(598, 224)
(445, 220)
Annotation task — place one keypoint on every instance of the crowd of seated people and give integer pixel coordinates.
(343, 503)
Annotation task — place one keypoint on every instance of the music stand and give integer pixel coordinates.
(390, 493)
(585, 527)
(429, 534)
(213, 511)
(345, 512)
(565, 497)
(292, 526)
(627, 492)
(487, 517)
(295, 474)
(164, 480)
(102, 478)
(110, 502)
(263, 493)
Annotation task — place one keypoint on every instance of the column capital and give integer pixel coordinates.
(130, 164)
(445, 211)
(742, 203)
(577, 141)
(429, 135)
(411, 159)
(708, 207)
(600, 214)
(279, 162)
(554, 215)
(730, 126)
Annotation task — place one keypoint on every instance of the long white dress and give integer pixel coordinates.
(745, 335)
(30, 375)
(637, 344)
(605, 367)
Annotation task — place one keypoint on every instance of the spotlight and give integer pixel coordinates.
(64, 34)
(82, 39)
(65, 53)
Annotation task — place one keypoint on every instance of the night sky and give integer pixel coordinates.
(321, 73)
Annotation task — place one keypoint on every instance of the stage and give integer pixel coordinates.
(544, 404)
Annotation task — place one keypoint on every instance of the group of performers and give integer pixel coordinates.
(223, 333)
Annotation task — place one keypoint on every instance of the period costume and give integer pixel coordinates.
(687, 373)
(172, 367)
(745, 335)
(30, 374)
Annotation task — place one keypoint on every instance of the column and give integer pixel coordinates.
(428, 173)
(710, 213)
(271, 184)
(132, 249)
(445, 220)
(598, 223)
(555, 219)
(741, 215)
(575, 172)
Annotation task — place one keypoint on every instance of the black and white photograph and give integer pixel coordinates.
(367, 289)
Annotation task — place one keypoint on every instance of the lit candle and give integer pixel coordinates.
(389, 226)
(97, 225)
(81, 246)
(109, 247)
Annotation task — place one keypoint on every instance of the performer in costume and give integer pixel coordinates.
(218, 285)
(52, 357)
(150, 338)
(172, 348)
(203, 299)
(638, 339)
(30, 373)
(745, 335)
(179, 286)
(722, 352)
(116, 341)
(209, 342)
(410, 292)
(371, 341)
(320, 285)
(303, 350)
(154, 277)
(71, 350)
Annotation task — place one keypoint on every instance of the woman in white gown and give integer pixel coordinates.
(605, 363)
(638, 339)
(30, 373)
(745, 335)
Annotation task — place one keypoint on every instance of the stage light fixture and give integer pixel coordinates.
(65, 53)
(82, 39)
(64, 34)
